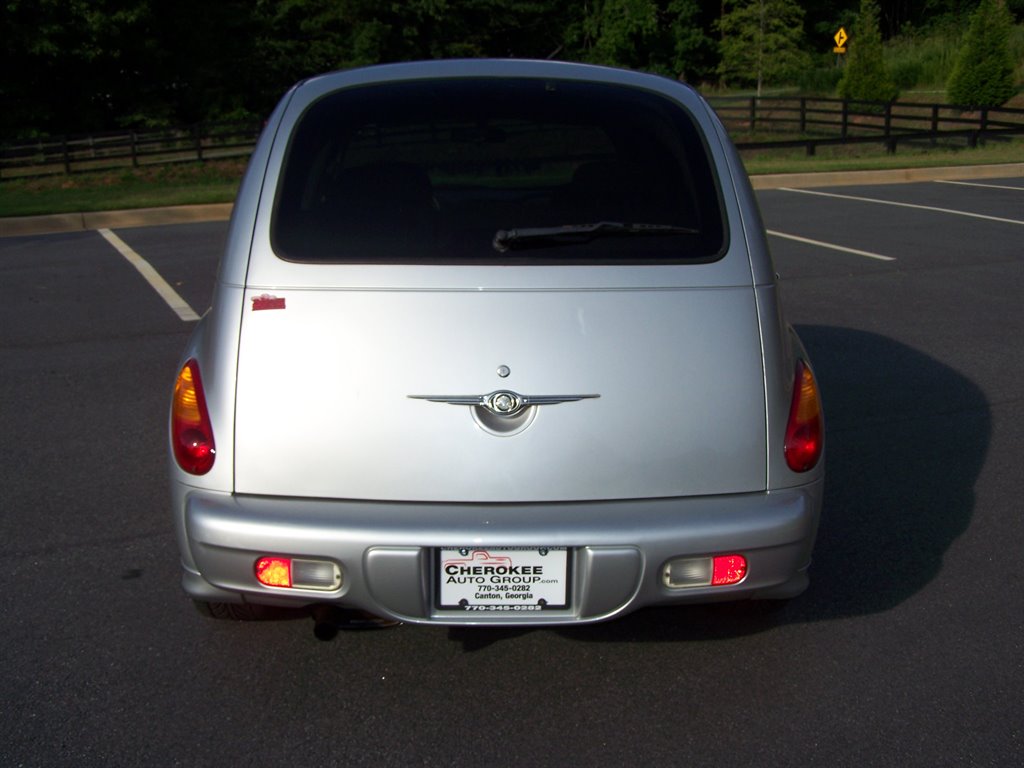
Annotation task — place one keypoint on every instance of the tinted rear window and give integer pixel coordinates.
(429, 171)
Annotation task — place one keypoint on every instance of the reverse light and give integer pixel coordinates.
(804, 435)
(718, 571)
(191, 431)
(291, 573)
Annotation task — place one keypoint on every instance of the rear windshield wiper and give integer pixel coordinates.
(571, 234)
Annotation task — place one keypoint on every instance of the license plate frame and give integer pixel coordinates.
(502, 579)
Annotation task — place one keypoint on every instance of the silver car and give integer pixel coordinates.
(493, 343)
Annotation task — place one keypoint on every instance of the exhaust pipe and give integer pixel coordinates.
(328, 620)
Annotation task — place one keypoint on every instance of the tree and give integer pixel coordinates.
(866, 78)
(983, 73)
(662, 36)
(614, 31)
(760, 41)
(690, 47)
(65, 63)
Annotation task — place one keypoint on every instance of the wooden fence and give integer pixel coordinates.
(105, 151)
(754, 123)
(779, 123)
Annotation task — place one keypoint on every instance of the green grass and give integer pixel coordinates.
(923, 61)
(147, 187)
(870, 157)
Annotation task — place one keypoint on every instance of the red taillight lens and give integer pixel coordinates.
(804, 437)
(191, 433)
(728, 569)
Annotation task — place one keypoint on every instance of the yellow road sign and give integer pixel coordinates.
(841, 38)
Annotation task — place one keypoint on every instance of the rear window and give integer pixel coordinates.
(432, 171)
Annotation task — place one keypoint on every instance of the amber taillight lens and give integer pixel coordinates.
(274, 571)
(804, 433)
(191, 432)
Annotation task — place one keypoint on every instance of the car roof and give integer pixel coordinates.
(495, 68)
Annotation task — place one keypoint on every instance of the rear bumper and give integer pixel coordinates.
(385, 550)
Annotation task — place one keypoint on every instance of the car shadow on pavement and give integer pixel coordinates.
(906, 440)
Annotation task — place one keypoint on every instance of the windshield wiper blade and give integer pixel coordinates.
(571, 234)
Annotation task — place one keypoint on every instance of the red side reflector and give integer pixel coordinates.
(804, 437)
(728, 569)
(266, 301)
(191, 431)
(274, 571)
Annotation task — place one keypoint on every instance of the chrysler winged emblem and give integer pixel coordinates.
(503, 402)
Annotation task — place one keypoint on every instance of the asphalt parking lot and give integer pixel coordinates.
(906, 650)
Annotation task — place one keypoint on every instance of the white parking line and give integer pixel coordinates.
(976, 184)
(903, 205)
(831, 246)
(161, 286)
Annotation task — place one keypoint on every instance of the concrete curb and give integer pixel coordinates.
(16, 226)
(895, 176)
(20, 226)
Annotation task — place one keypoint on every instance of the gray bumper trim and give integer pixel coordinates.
(385, 548)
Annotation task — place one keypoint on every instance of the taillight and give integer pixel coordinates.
(287, 573)
(274, 571)
(191, 432)
(717, 571)
(804, 436)
(728, 569)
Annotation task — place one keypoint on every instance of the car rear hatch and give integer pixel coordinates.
(327, 386)
(382, 318)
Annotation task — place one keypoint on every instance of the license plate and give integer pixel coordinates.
(516, 579)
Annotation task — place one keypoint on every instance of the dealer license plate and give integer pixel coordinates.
(516, 579)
